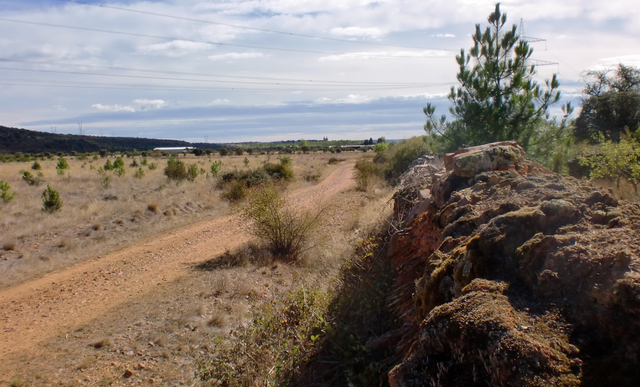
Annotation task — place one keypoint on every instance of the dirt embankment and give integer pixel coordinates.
(37, 311)
(510, 275)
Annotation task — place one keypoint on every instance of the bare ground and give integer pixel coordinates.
(141, 313)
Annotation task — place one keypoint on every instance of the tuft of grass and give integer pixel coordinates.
(106, 342)
(8, 246)
(96, 226)
(217, 320)
(153, 207)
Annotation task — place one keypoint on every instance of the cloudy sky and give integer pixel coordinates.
(252, 70)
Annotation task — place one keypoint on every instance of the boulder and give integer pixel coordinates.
(497, 156)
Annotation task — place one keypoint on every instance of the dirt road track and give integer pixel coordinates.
(37, 310)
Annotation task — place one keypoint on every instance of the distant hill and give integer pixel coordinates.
(29, 141)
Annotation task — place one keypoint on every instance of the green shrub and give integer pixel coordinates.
(134, 163)
(285, 232)
(334, 160)
(235, 191)
(106, 182)
(139, 173)
(119, 171)
(239, 151)
(397, 159)
(108, 166)
(118, 163)
(30, 179)
(61, 166)
(175, 170)
(223, 151)
(4, 192)
(192, 172)
(282, 171)
(51, 201)
(215, 167)
(36, 166)
(144, 160)
(152, 166)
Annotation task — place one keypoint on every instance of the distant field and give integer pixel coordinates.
(96, 218)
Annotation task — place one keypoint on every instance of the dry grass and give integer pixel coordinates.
(128, 210)
(8, 246)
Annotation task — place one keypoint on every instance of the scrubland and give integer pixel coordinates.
(97, 217)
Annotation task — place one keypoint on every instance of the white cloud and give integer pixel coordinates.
(629, 60)
(386, 54)
(359, 32)
(351, 98)
(220, 101)
(113, 108)
(146, 104)
(237, 55)
(175, 48)
(443, 36)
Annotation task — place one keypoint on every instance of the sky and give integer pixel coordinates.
(264, 70)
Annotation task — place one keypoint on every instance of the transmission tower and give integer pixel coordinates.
(529, 39)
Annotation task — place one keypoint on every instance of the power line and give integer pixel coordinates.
(97, 85)
(309, 81)
(250, 28)
(203, 41)
(196, 80)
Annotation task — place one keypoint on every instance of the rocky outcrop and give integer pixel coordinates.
(510, 275)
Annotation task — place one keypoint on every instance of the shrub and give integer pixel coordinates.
(108, 165)
(152, 166)
(134, 163)
(118, 163)
(30, 179)
(4, 192)
(366, 174)
(62, 165)
(119, 171)
(246, 162)
(106, 182)
(280, 171)
(239, 151)
(285, 232)
(51, 201)
(192, 172)
(223, 151)
(139, 173)
(215, 167)
(144, 160)
(36, 166)
(103, 153)
(236, 191)
(175, 170)
(397, 159)
(333, 160)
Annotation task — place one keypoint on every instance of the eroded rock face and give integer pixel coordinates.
(518, 277)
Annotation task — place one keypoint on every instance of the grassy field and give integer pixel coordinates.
(96, 217)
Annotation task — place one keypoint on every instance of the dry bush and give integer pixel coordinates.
(285, 233)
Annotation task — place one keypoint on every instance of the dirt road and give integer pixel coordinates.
(37, 310)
